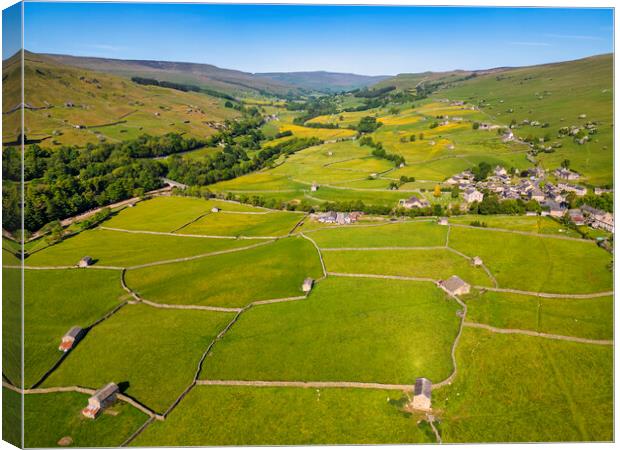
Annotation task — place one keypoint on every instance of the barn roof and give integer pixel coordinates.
(106, 391)
(423, 386)
(73, 332)
(453, 283)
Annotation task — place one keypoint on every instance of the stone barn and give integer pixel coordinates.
(307, 286)
(477, 261)
(85, 261)
(422, 394)
(215, 209)
(70, 338)
(454, 286)
(100, 400)
(443, 221)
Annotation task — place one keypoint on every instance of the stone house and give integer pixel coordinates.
(414, 202)
(472, 195)
(477, 261)
(443, 221)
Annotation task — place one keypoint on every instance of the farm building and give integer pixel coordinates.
(314, 187)
(85, 261)
(472, 195)
(537, 194)
(215, 209)
(566, 174)
(443, 221)
(477, 261)
(454, 286)
(576, 216)
(414, 202)
(100, 400)
(307, 286)
(422, 394)
(70, 338)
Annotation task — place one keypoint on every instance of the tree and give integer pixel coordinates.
(454, 193)
(368, 124)
(437, 191)
(566, 163)
(475, 125)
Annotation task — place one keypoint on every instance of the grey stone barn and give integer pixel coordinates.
(100, 400)
(422, 394)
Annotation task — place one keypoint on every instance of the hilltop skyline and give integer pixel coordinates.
(402, 39)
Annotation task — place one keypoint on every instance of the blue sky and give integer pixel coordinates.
(11, 30)
(367, 40)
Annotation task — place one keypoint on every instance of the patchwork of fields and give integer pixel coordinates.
(199, 315)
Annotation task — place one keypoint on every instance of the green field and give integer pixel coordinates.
(239, 224)
(51, 417)
(529, 224)
(167, 214)
(408, 234)
(436, 264)
(272, 416)
(521, 389)
(540, 264)
(11, 325)
(55, 301)
(327, 337)
(590, 318)
(11, 417)
(274, 270)
(115, 248)
(138, 347)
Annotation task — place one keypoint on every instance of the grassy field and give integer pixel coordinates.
(408, 234)
(169, 213)
(11, 325)
(437, 264)
(271, 271)
(56, 300)
(11, 417)
(51, 417)
(530, 224)
(327, 337)
(588, 318)
(276, 223)
(324, 134)
(287, 416)
(115, 248)
(138, 347)
(534, 263)
(522, 389)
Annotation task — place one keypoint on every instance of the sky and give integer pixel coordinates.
(370, 40)
(11, 30)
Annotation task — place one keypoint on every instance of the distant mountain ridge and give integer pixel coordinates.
(324, 81)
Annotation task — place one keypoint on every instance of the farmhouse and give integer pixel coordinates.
(70, 338)
(472, 195)
(422, 394)
(414, 202)
(576, 216)
(477, 261)
(314, 187)
(443, 221)
(100, 400)
(454, 286)
(307, 286)
(536, 194)
(215, 209)
(566, 174)
(85, 261)
(328, 217)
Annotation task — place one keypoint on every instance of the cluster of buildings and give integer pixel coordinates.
(339, 218)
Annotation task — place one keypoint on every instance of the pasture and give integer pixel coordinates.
(55, 301)
(347, 330)
(537, 263)
(115, 248)
(274, 270)
(51, 417)
(529, 224)
(11, 325)
(152, 353)
(437, 264)
(266, 223)
(590, 318)
(389, 234)
(215, 415)
(514, 388)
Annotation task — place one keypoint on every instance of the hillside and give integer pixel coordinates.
(540, 100)
(323, 81)
(74, 106)
(231, 82)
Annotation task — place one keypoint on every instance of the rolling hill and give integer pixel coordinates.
(75, 106)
